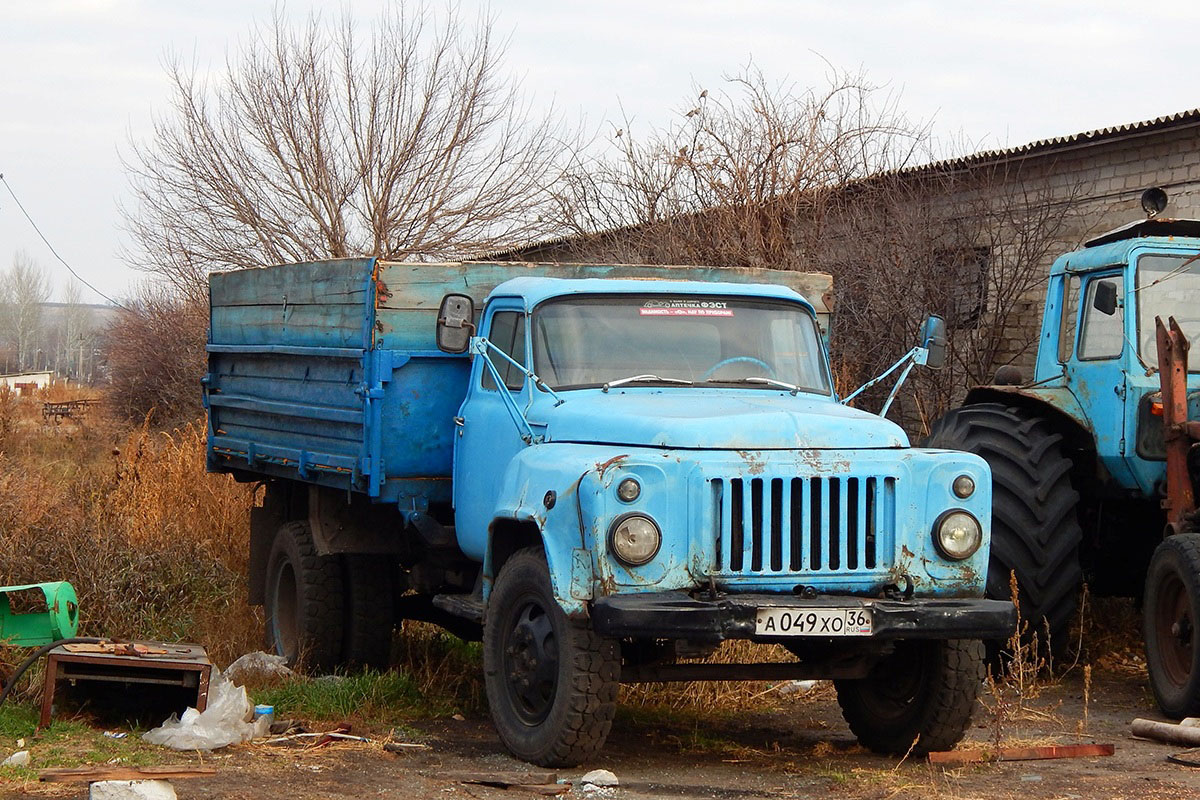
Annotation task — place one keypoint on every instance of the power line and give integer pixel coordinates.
(52, 250)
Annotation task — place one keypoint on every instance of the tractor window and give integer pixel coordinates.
(1167, 286)
(1103, 334)
(1070, 316)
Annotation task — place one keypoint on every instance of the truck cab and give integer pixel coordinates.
(676, 460)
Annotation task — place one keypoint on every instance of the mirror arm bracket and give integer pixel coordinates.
(917, 355)
(479, 346)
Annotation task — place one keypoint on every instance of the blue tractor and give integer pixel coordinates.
(1079, 453)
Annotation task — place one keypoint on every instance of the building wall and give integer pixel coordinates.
(1103, 183)
(38, 379)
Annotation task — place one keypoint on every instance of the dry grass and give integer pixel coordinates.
(718, 695)
(154, 546)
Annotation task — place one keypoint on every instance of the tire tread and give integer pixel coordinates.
(1035, 525)
(939, 718)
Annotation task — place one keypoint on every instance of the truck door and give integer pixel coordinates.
(488, 438)
(1097, 373)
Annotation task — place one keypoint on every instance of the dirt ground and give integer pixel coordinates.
(800, 749)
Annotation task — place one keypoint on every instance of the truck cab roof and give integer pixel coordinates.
(535, 290)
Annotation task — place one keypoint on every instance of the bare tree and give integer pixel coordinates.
(23, 290)
(729, 182)
(317, 142)
(973, 244)
(156, 356)
(77, 334)
(833, 179)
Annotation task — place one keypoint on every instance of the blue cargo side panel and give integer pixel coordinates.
(417, 420)
(315, 304)
(291, 386)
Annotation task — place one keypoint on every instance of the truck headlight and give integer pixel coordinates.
(634, 539)
(957, 535)
(964, 486)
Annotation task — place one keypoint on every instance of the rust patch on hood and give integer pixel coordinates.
(604, 465)
(755, 463)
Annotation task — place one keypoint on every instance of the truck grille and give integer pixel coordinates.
(803, 525)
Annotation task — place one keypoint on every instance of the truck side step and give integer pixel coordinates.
(468, 606)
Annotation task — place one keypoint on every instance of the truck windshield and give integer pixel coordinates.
(1167, 285)
(583, 342)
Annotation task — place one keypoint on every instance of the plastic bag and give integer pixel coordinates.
(258, 667)
(225, 721)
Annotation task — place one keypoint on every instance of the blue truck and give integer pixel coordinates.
(602, 472)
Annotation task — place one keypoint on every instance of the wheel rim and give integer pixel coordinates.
(1174, 629)
(530, 658)
(895, 684)
(283, 610)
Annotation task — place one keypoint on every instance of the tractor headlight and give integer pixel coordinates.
(634, 539)
(957, 535)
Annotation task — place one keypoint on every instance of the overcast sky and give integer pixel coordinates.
(78, 78)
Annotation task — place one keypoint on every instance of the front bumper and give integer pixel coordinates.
(678, 615)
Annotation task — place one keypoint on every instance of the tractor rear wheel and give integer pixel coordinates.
(1172, 613)
(1035, 527)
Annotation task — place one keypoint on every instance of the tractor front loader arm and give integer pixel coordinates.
(1180, 433)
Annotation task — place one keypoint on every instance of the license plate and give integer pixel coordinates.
(813, 622)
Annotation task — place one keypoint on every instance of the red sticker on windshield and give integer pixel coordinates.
(686, 308)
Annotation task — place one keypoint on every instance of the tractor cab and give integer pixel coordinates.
(1097, 359)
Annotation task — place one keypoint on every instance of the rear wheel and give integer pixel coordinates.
(1035, 529)
(919, 698)
(370, 612)
(551, 682)
(303, 600)
(1171, 615)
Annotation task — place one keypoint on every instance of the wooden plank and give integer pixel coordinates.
(546, 790)
(1021, 753)
(90, 774)
(500, 778)
(312, 326)
(421, 286)
(341, 281)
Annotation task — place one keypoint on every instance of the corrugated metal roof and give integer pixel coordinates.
(1183, 118)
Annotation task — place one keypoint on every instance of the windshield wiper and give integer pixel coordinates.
(643, 379)
(791, 387)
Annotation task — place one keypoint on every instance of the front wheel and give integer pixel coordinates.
(1171, 614)
(919, 698)
(551, 682)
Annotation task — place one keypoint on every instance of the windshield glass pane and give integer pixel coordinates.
(590, 341)
(1167, 286)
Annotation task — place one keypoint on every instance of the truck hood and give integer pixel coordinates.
(744, 419)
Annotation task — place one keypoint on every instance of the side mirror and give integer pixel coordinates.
(933, 339)
(1104, 299)
(455, 323)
